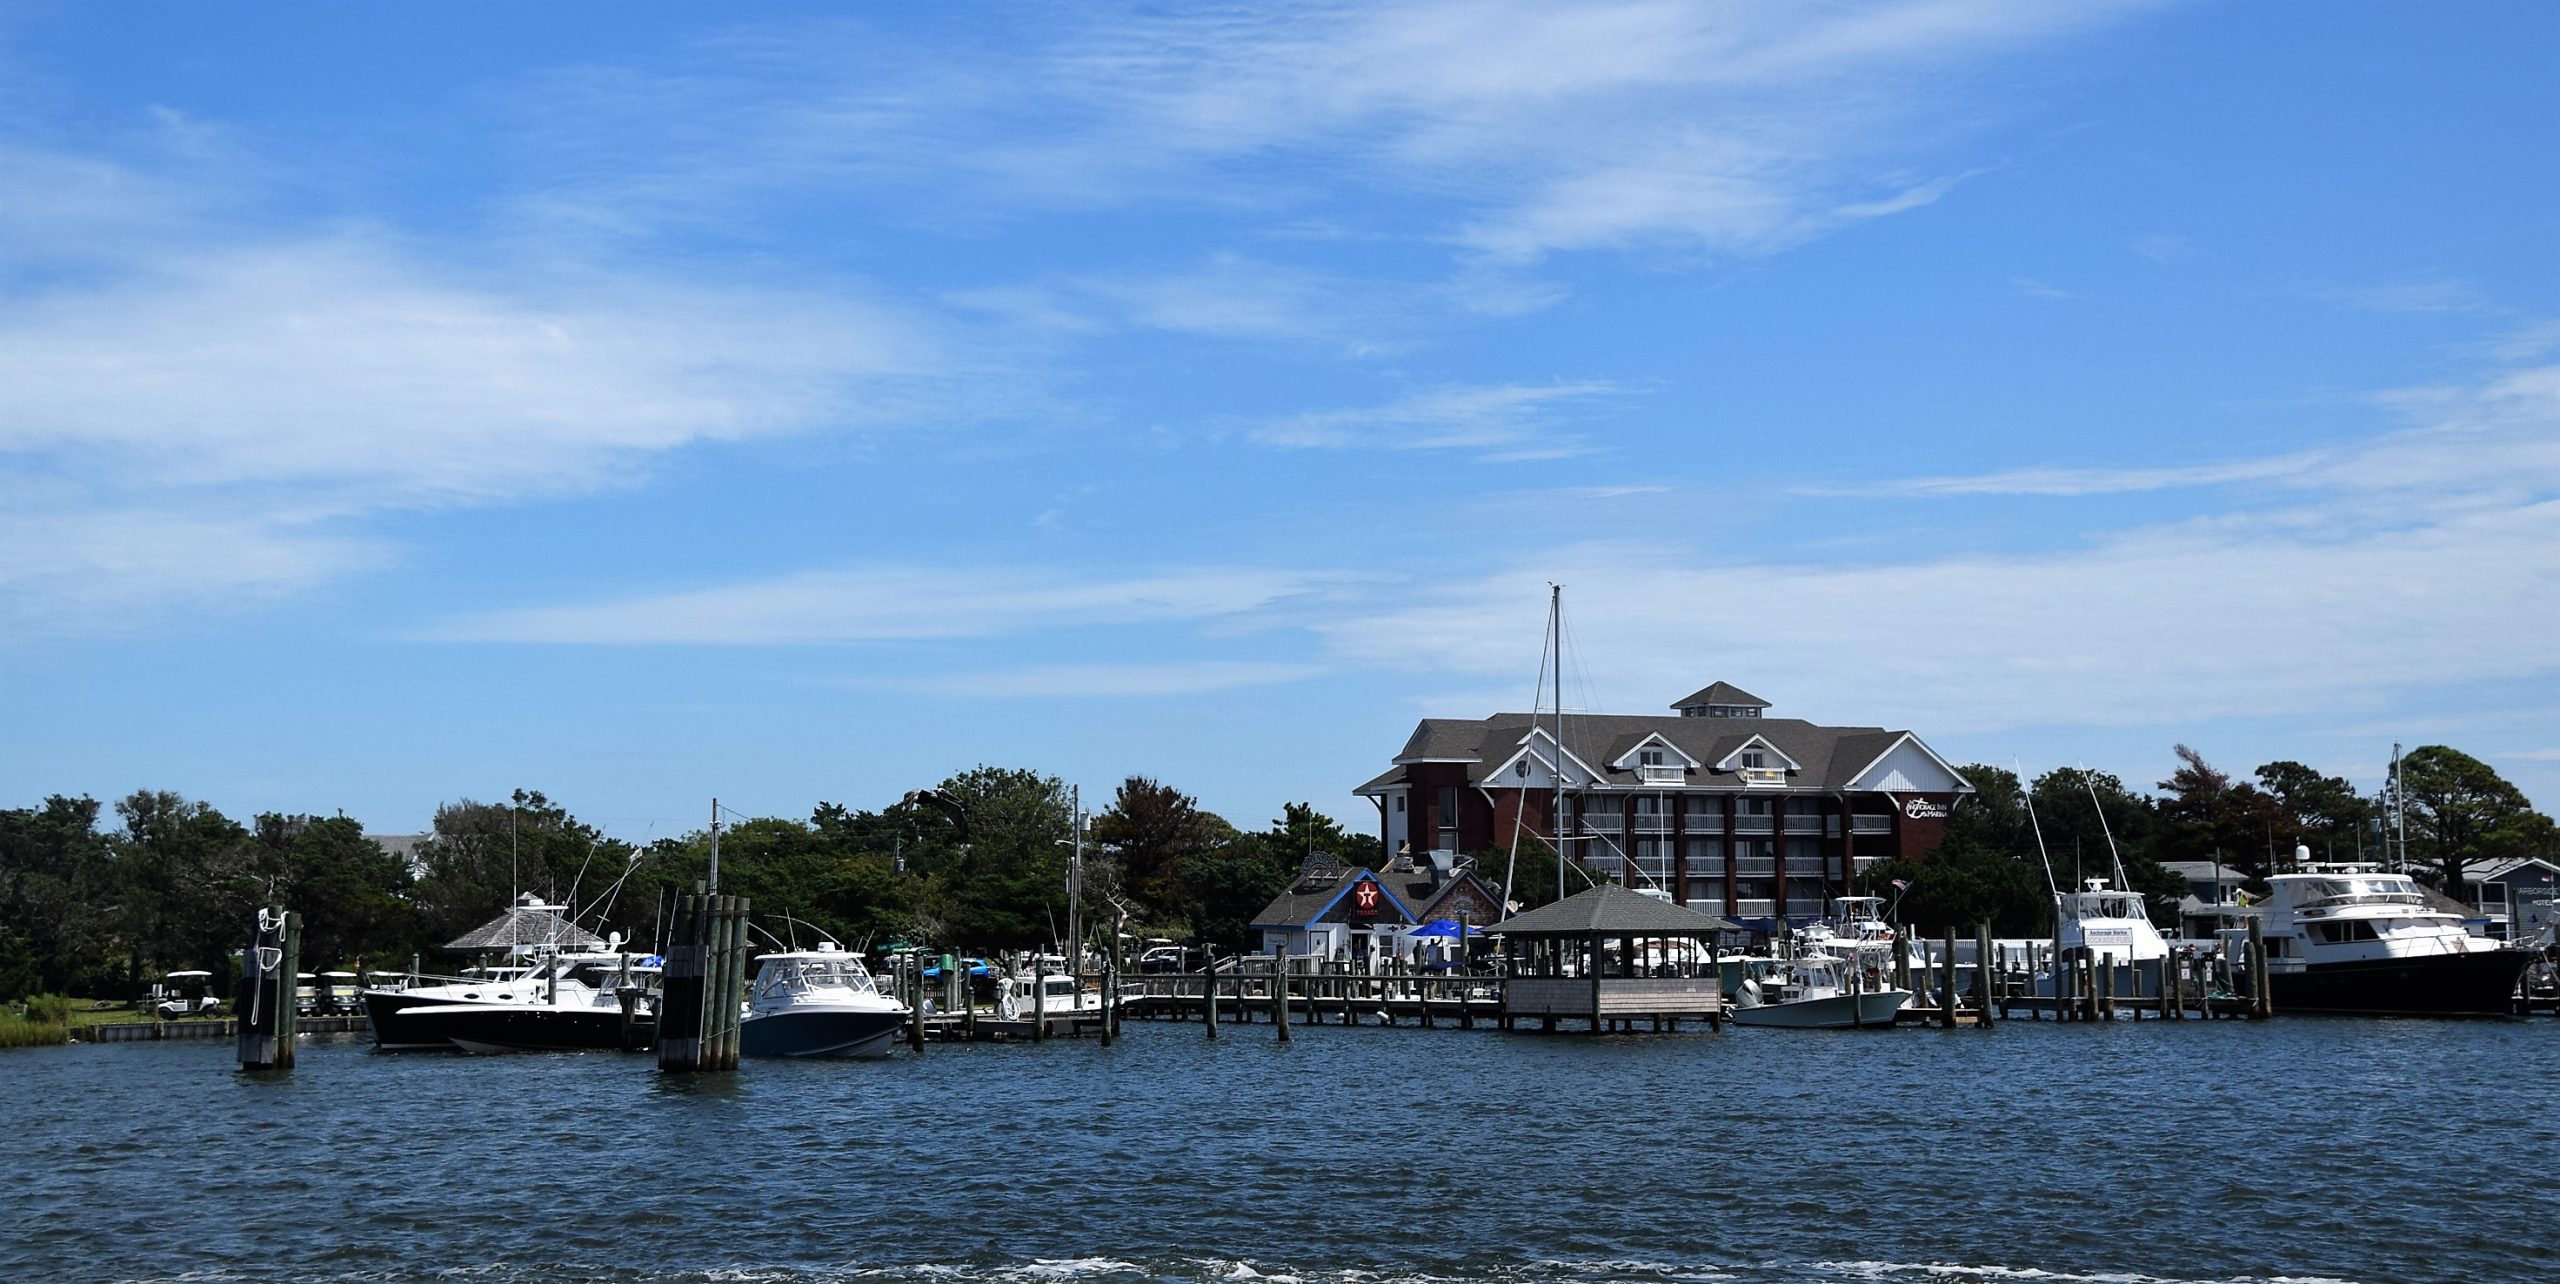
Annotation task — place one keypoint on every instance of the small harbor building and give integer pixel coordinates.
(1334, 912)
(1611, 954)
(1717, 805)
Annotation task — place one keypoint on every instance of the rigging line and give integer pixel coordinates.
(1520, 812)
(2028, 793)
(2123, 884)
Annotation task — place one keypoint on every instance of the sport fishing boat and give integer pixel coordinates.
(2353, 939)
(2108, 922)
(1816, 992)
(1045, 985)
(818, 1003)
(562, 1002)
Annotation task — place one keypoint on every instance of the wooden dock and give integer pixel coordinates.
(153, 1031)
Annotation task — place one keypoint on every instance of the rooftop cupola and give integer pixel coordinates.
(1721, 700)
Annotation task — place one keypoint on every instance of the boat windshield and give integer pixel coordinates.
(2389, 889)
(821, 975)
(2107, 905)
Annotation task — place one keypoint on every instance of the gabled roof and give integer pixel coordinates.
(1308, 900)
(1726, 763)
(1626, 758)
(1827, 759)
(1613, 910)
(1721, 693)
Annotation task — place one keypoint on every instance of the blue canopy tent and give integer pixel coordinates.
(1449, 938)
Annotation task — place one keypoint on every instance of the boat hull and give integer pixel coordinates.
(820, 1032)
(423, 1022)
(1837, 1012)
(2478, 984)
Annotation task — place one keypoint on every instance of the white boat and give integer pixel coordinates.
(818, 1003)
(2354, 939)
(1816, 992)
(1046, 987)
(2108, 922)
(559, 1002)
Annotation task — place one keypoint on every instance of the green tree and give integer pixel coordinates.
(348, 890)
(1151, 830)
(56, 928)
(483, 854)
(1229, 884)
(2321, 812)
(2465, 813)
(187, 883)
(2208, 816)
(1006, 887)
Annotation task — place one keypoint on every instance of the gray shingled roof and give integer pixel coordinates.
(530, 924)
(1721, 693)
(1613, 910)
(1828, 757)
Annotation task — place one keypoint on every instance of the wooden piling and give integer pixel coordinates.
(1209, 995)
(2261, 1003)
(1985, 976)
(1039, 999)
(680, 989)
(1280, 995)
(266, 1002)
(2106, 987)
(1947, 984)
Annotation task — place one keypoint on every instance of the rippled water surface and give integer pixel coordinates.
(2297, 1149)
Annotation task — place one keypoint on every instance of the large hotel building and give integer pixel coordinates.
(1717, 804)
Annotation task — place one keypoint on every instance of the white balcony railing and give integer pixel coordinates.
(1764, 777)
(1865, 823)
(1748, 908)
(1652, 774)
(1804, 824)
(1802, 906)
(1755, 866)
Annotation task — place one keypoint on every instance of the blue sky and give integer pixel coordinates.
(403, 404)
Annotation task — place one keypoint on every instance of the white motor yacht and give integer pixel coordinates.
(2351, 938)
(818, 1003)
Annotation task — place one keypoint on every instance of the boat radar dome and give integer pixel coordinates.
(2302, 853)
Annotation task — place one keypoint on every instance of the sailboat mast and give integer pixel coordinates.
(715, 846)
(1555, 646)
(1075, 883)
(2027, 791)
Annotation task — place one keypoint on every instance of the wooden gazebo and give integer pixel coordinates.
(1612, 957)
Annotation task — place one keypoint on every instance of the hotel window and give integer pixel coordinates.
(1755, 760)
(1653, 859)
(1649, 757)
(1448, 819)
(1706, 853)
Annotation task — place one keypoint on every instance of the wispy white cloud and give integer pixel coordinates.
(2428, 296)
(2429, 556)
(1169, 678)
(892, 603)
(196, 413)
(1532, 130)
(2535, 755)
(1510, 421)
(2495, 441)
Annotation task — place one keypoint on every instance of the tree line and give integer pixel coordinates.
(93, 909)
(2459, 814)
(101, 909)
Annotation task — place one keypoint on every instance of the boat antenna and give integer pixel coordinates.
(2027, 791)
(2123, 884)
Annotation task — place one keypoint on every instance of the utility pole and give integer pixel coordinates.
(1555, 644)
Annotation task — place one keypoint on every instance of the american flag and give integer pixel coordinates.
(1902, 884)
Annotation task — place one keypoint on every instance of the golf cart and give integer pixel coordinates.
(172, 1000)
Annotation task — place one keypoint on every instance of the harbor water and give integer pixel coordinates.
(2297, 1149)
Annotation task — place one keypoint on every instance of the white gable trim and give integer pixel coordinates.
(1627, 761)
(1529, 749)
(1763, 742)
(1858, 781)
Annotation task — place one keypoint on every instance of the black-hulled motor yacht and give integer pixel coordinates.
(2354, 939)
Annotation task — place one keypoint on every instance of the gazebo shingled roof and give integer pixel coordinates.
(1612, 909)
(533, 923)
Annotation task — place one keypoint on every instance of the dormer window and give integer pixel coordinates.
(1650, 758)
(1754, 759)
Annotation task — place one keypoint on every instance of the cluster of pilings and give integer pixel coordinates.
(699, 1012)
